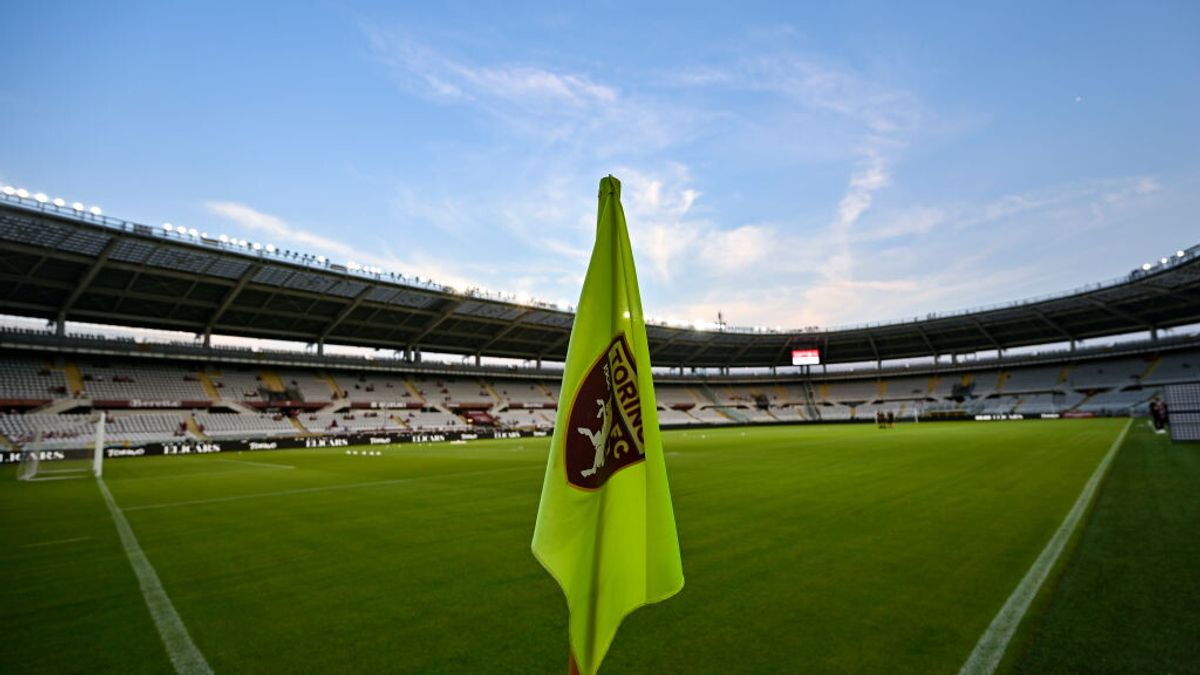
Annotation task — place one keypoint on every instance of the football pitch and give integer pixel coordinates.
(817, 549)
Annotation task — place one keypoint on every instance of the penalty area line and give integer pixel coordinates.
(184, 654)
(320, 488)
(989, 651)
(263, 464)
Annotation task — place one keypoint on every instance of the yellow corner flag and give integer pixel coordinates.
(605, 527)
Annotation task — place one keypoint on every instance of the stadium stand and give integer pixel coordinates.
(31, 379)
(351, 422)
(239, 425)
(525, 419)
(57, 413)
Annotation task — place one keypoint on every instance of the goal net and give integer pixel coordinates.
(40, 460)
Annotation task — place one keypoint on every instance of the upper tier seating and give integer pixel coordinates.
(30, 379)
(151, 382)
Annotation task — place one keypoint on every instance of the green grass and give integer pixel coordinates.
(1128, 600)
(825, 549)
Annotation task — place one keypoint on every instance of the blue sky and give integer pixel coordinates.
(788, 165)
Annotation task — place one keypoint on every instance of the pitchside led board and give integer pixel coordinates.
(806, 357)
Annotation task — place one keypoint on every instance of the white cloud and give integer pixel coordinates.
(554, 106)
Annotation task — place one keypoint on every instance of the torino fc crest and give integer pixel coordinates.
(604, 429)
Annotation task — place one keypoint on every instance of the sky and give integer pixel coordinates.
(787, 165)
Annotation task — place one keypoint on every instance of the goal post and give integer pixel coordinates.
(28, 468)
(98, 453)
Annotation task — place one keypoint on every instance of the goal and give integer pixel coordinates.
(39, 464)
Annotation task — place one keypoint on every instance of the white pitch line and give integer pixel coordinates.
(989, 651)
(246, 461)
(322, 488)
(56, 542)
(185, 656)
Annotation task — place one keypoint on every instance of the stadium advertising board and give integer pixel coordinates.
(806, 357)
(254, 445)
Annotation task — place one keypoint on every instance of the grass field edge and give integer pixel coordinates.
(995, 642)
(1035, 615)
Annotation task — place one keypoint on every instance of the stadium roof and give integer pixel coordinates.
(71, 265)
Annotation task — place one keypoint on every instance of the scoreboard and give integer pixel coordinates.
(806, 357)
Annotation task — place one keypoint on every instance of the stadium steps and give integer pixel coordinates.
(881, 386)
(783, 394)
(1001, 380)
(61, 405)
(1150, 368)
(399, 421)
(731, 413)
(7, 444)
(1086, 398)
(487, 386)
(709, 394)
(74, 378)
(810, 403)
(546, 389)
(334, 389)
(194, 427)
(932, 385)
(271, 380)
(412, 389)
(207, 384)
(301, 428)
(239, 407)
(336, 406)
(1064, 374)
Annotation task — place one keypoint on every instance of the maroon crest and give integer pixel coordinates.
(604, 428)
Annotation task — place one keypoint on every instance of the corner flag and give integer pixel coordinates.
(605, 527)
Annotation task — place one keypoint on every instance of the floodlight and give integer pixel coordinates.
(60, 202)
(78, 206)
(270, 248)
(95, 211)
(193, 232)
(1163, 261)
(224, 238)
(22, 193)
(1179, 253)
(256, 246)
(321, 259)
(204, 235)
(41, 198)
(168, 227)
(1147, 267)
(8, 190)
